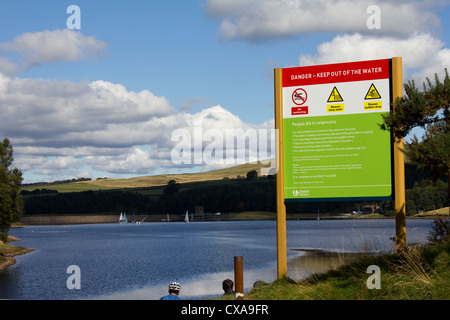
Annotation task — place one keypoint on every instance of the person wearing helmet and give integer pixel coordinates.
(174, 291)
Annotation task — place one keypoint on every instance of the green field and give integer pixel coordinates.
(227, 191)
(235, 172)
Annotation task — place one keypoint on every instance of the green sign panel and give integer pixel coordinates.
(333, 146)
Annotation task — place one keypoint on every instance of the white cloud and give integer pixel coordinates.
(62, 166)
(7, 67)
(136, 161)
(49, 112)
(67, 122)
(35, 48)
(257, 20)
(63, 129)
(422, 54)
(66, 129)
(216, 138)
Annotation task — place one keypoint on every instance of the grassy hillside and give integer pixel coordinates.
(421, 274)
(434, 213)
(150, 181)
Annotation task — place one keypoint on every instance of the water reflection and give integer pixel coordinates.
(318, 261)
(138, 261)
(302, 265)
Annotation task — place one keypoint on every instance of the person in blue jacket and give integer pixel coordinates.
(174, 291)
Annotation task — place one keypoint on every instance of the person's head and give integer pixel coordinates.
(227, 285)
(174, 288)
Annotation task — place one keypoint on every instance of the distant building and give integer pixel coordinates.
(371, 208)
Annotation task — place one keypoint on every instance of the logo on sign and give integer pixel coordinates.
(299, 96)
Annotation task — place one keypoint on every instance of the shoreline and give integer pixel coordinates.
(318, 261)
(9, 251)
(95, 219)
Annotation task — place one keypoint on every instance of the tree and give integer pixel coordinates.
(430, 110)
(171, 188)
(252, 174)
(11, 204)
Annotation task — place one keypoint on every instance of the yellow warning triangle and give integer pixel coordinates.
(335, 96)
(372, 93)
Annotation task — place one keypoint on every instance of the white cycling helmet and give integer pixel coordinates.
(174, 286)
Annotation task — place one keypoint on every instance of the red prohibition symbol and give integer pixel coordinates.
(299, 96)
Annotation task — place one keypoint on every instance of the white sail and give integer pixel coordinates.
(186, 218)
(123, 218)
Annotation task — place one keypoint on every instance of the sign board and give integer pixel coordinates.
(333, 147)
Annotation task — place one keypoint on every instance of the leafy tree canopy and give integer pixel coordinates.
(428, 109)
(11, 204)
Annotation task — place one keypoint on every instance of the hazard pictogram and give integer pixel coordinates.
(335, 96)
(299, 96)
(372, 93)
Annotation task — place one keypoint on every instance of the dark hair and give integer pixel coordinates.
(227, 285)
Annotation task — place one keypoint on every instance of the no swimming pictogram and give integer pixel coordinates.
(299, 96)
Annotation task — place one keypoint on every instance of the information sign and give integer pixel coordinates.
(333, 146)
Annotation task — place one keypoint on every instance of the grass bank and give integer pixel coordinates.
(423, 273)
(8, 252)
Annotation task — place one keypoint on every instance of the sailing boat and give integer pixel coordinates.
(123, 218)
(135, 221)
(186, 218)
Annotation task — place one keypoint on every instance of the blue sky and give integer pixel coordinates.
(104, 100)
(171, 49)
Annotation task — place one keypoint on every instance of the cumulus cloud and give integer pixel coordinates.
(422, 54)
(66, 121)
(407, 29)
(216, 138)
(35, 48)
(61, 167)
(49, 111)
(62, 128)
(7, 67)
(135, 161)
(258, 20)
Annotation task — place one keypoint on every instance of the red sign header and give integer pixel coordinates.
(339, 72)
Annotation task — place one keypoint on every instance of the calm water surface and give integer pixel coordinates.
(138, 261)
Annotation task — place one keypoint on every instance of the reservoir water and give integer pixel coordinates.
(130, 261)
